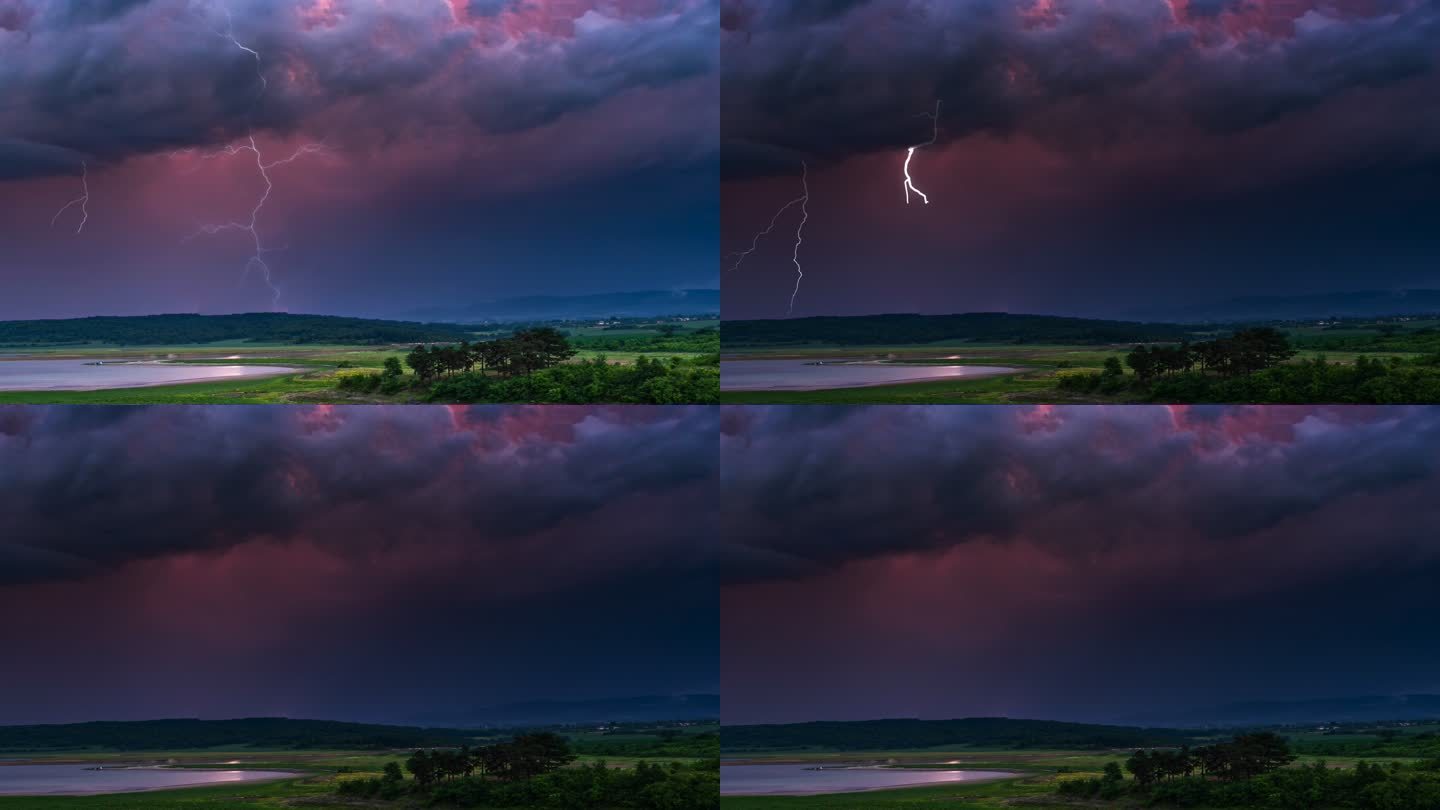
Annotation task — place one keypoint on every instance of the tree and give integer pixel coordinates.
(423, 361)
(422, 766)
(1142, 360)
(1142, 766)
(392, 368)
(393, 772)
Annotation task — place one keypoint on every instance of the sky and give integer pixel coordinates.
(383, 564)
(1106, 159)
(444, 152)
(1097, 564)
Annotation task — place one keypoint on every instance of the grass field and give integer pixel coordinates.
(1034, 383)
(317, 773)
(318, 367)
(1038, 773)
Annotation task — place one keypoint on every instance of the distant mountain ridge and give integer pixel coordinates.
(642, 304)
(639, 709)
(1362, 709)
(1358, 304)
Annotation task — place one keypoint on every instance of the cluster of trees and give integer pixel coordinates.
(525, 756)
(1392, 381)
(1250, 771)
(1245, 352)
(674, 786)
(1245, 756)
(1364, 787)
(525, 352)
(529, 771)
(651, 382)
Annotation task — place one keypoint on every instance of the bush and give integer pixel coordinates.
(651, 382)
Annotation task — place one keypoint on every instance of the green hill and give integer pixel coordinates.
(974, 327)
(257, 327)
(983, 732)
(254, 732)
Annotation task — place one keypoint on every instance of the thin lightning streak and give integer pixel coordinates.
(799, 229)
(83, 200)
(755, 243)
(257, 259)
(910, 153)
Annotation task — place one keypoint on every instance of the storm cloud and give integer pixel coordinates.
(406, 564)
(1111, 564)
(441, 137)
(813, 489)
(827, 81)
(118, 80)
(1102, 159)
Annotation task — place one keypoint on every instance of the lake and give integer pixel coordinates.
(809, 375)
(799, 780)
(82, 375)
(57, 780)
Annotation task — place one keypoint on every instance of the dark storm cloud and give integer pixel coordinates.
(829, 80)
(108, 81)
(809, 489)
(86, 490)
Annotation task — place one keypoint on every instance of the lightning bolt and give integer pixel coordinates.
(910, 153)
(799, 230)
(802, 201)
(83, 200)
(252, 227)
(742, 255)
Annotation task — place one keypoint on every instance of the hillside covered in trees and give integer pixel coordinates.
(255, 732)
(256, 327)
(974, 327)
(986, 732)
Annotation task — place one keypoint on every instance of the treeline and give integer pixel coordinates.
(668, 338)
(1244, 757)
(257, 327)
(1385, 337)
(1387, 743)
(675, 381)
(260, 732)
(1392, 381)
(530, 771)
(530, 366)
(690, 746)
(1252, 366)
(1395, 786)
(525, 352)
(1251, 771)
(990, 732)
(974, 327)
(1246, 352)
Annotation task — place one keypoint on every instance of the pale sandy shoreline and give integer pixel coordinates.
(278, 777)
(901, 786)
